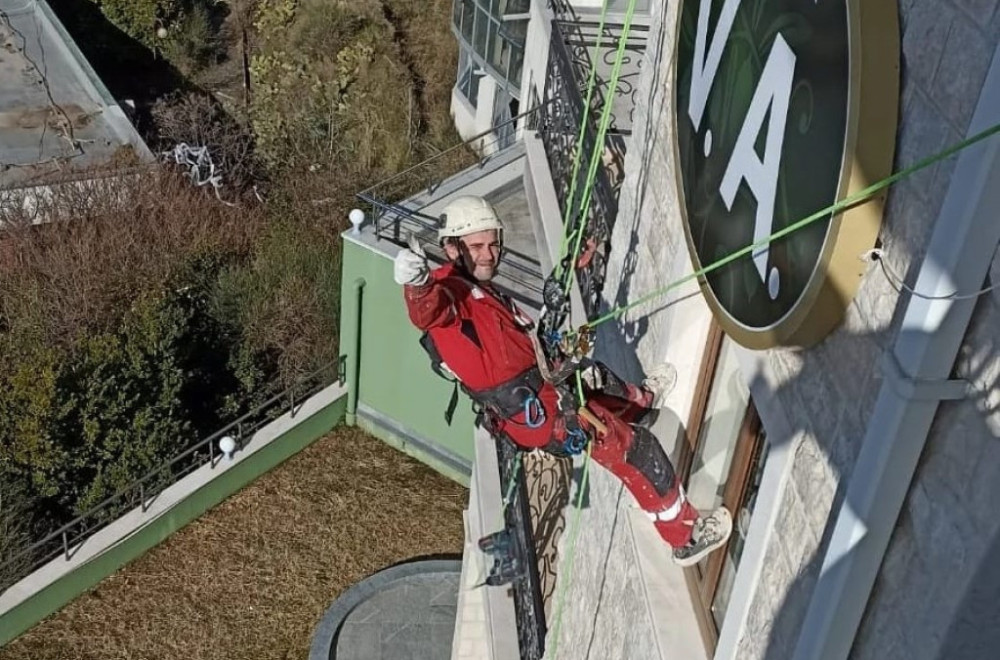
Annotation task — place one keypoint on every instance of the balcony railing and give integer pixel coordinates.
(67, 539)
(573, 53)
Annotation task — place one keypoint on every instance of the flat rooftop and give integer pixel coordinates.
(56, 117)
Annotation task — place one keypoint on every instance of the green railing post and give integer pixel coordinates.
(354, 356)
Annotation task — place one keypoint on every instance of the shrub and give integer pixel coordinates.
(185, 32)
(15, 536)
(110, 357)
(287, 299)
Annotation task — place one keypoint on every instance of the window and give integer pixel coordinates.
(468, 79)
(494, 31)
(722, 462)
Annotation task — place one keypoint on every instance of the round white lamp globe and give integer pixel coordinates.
(228, 446)
(357, 218)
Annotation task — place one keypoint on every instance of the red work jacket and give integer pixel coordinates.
(483, 338)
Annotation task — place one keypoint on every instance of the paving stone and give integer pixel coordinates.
(925, 30)
(960, 75)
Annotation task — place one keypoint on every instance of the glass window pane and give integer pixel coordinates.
(468, 19)
(516, 65)
(473, 93)
(482, 27)
(727, 406)
(500, 54)
(467, 82)
(456, 14)
(741, 526)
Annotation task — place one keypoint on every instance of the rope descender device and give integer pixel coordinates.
(577, 344)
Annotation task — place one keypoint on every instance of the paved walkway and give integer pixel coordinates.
(413, 619)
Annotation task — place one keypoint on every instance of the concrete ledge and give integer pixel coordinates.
(412, 444)
(60, 581)
(671, 613)
(486, 517)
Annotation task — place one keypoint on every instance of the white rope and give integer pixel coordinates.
(200, 168)
(897, 283)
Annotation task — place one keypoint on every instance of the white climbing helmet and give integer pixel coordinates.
(467, 215)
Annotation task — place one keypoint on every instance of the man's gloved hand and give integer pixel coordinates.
(410, 266)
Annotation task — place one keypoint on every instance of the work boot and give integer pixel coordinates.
(709, 534)
(660, 382)
(657, 385)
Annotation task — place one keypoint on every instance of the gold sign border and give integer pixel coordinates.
(868, 155)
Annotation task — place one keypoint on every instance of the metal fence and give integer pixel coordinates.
(386, 199)
(142, 492)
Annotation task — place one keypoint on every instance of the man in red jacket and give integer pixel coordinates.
(486, 341)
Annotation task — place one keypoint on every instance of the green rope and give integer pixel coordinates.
(578, 157)
(598, 152)
(595, 160)
(843, 205)
(564, 577)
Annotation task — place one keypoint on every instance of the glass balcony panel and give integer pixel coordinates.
(518, 6)
(483, 25)
(468, 19)
(516, 65)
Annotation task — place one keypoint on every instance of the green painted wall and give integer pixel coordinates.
(64, 590)
(395, 376)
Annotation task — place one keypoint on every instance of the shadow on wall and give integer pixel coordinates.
(975, 629)
(908, 599)
(833, 405)
(634, 330)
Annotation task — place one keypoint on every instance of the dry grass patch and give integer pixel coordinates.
(252, 578)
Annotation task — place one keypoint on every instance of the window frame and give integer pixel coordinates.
(703, 582)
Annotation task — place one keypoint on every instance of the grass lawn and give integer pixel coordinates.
(252, 578)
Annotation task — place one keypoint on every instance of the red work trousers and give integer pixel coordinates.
(626, 449)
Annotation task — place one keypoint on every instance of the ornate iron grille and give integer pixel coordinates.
(529, 608)
(573, 53)
(538, 489)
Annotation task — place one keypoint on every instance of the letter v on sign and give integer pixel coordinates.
(706, 67)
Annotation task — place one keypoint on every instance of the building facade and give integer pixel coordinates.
(787, 436)
(778, 434)
(849, 424)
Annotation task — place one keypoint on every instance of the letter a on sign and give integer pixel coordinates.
(773, 93)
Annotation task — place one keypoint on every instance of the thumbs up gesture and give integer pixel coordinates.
(410, 265)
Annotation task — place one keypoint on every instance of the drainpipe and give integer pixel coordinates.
(965, 237)
(354, 357)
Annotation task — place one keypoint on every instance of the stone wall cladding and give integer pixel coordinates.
(828, 391)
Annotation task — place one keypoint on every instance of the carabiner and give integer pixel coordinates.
(575, 442)
(534, 413)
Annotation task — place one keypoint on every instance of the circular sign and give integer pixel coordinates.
(782, 108)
